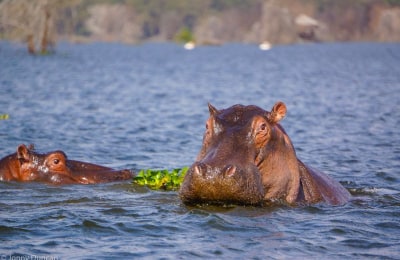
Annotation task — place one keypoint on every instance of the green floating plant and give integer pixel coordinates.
(161, 179)
(4, 116)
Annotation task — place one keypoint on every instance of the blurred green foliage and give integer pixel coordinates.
(161, 179)
(4, 116)
(184, 35)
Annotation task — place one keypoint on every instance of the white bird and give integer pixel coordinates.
(189, 45)
(265, 46)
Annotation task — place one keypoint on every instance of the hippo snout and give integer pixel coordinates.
(225, 184)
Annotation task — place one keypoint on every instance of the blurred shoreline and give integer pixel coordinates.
(41, 23)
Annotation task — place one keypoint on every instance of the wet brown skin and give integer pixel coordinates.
(247, 158)
(54, 168)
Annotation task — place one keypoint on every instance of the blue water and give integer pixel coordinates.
(141, 107)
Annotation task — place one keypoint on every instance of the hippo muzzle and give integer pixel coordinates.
(228, 184)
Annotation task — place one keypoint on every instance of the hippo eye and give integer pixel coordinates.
(56, 161)
(263, 127)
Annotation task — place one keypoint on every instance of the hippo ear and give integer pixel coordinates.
(278, 112)
(23, 153)
(212, 109)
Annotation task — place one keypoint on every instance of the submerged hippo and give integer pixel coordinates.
(55, 168)
(247, 158)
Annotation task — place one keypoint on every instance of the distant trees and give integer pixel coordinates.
(254, 21)
(29, 21)
(115, 22)
(38, 22)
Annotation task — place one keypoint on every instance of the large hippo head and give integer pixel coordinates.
(247, 158)
(227, 168)
(55, 167)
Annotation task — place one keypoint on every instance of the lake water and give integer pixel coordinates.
(141, 107)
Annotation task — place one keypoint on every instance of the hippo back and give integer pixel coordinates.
(317, 186)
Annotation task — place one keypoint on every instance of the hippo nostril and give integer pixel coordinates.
(203, 170)
(229, 170)
(200, 169)
(197, 170)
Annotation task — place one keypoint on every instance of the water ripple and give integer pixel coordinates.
(145, 106)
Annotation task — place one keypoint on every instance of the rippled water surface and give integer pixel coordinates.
(145, 106)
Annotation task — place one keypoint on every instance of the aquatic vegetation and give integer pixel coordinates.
(161, 179)
(4, 116)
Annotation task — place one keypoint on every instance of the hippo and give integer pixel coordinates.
(248, 159)
(26, 165)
